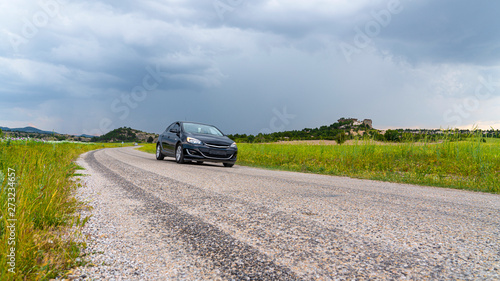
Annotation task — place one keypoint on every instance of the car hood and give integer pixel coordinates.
(211, 139)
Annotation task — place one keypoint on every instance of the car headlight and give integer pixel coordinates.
(233, 145)
(193, 140)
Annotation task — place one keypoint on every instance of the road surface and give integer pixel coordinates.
(158, 220)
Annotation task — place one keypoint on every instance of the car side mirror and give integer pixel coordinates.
(174, 131)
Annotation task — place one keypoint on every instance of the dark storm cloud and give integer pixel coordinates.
(244, 57)
(446, 31)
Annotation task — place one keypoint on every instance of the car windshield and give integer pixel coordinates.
(201, 129)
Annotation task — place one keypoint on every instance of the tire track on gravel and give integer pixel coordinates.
(330, 252)
(233, 258)
(290, 226)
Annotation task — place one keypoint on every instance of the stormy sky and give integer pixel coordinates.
(248, 66)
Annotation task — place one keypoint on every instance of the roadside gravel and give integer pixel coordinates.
(122, 243)
(157, 220)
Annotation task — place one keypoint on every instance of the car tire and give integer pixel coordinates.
(229, 165)
(179, 154)
(159, 155)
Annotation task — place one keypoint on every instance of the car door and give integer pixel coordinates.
(172, 138)
(164, 140)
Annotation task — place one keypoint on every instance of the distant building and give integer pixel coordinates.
(368, 122)
(356, 122)
(341, 120)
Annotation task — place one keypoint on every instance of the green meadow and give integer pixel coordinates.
(38, 213)
(472, 165)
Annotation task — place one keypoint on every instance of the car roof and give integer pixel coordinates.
(181, 122)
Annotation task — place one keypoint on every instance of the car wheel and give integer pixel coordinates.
(229, 165)
(159, 155)
(179, 154)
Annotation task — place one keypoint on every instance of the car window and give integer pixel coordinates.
(168, 128)
(176, 127)
(201, 129)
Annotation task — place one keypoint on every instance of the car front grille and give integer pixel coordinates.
(216, 154)
(217, 145)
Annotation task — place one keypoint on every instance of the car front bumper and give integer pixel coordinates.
(209, 154)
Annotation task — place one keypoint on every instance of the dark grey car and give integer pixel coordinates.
(190, 141)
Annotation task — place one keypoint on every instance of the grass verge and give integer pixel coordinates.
(148, 147)
(39, 224)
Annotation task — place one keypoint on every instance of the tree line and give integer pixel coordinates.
(342, 131)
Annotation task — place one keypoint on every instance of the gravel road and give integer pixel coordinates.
(158, 220)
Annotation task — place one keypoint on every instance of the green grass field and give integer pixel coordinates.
(471, 165)
(37, 198)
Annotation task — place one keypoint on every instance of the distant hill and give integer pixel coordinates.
(118, 135)
(34, 133)
(85, 136)
(27, 130)
(125, 134)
